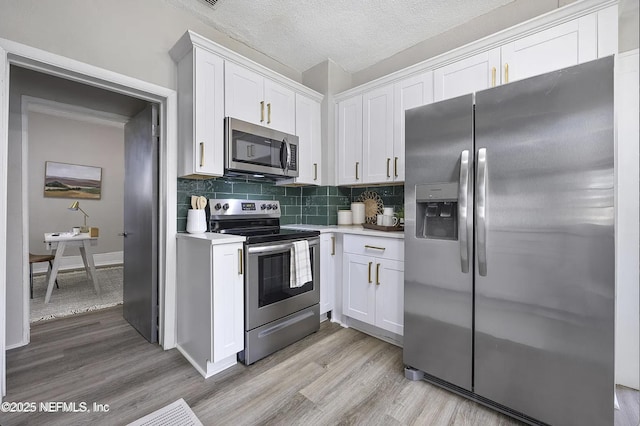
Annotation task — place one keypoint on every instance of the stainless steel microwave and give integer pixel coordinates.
(259, 151)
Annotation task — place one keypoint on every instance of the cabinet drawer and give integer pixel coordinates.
(386, 248)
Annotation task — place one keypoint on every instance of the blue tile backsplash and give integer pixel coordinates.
(317, 205)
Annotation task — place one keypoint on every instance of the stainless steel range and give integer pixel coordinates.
(276, 313)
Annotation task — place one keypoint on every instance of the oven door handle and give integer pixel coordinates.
(273, 248)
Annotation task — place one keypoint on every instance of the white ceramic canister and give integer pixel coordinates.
(387, 211)
(196, 221)
(344, 217)
(358, 213)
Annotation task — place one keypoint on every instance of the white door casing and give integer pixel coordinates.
(4, 120)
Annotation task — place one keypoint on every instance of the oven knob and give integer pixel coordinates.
(263, 206)
(217, 206)
(225, 207)
(275, 207)
(268, 206)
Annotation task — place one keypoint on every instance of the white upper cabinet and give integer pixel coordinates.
(350, 141)
(557, 47)
(409, 93)
(201, 114)
(309, 141)
(244, 94)
(377, 135)
(280, 107)
(468, 75)
(256, 99)
(214, 83)
(564, 45)
(608, 31)
(371, 130)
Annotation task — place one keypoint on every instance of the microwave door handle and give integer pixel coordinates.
(288, 153)
(283, 156)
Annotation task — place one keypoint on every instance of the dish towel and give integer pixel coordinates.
(300, 267)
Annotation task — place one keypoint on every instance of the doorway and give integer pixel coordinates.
(34, 59)
(109, 134)
(60, 138)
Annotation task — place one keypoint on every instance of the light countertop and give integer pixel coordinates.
(346, 229)
(213, 237)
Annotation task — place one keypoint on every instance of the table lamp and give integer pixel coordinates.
(75, 206)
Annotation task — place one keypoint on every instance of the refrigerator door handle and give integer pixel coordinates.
(481, 209)
(463, 229)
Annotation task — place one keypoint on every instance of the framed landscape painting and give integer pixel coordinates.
(62, 180)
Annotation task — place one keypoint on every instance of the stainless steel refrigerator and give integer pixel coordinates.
(509, 246)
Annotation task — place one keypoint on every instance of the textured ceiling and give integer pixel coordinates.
(354, 33)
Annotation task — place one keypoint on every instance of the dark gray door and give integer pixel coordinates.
(140, 292)
(544, 310)
(438, 292)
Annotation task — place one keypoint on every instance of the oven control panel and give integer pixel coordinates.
(232, 207)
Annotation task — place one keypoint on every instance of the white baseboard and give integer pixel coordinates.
(75, 262)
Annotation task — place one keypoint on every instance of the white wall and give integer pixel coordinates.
(129, 37)
(628, 25)
(329, 79)
(627, 225)
(67, 140)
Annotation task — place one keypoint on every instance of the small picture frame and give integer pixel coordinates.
(62, 180)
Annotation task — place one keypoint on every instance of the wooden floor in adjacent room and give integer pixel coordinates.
(335, 376)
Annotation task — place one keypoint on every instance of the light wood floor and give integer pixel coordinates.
(335, 376)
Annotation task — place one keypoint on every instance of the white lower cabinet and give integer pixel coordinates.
(358, 298)
(390, 295)
(373, 281)
(210, 302)
(327, 272)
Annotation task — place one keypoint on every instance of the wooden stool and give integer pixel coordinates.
(37, 258)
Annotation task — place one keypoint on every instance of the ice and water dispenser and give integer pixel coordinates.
(437, 211)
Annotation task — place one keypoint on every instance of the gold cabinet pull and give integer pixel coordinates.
(506, 73)
(240, 265)
(493, 77)
(395, 166)
(269, 113)
(388, 163)
(374, 247)
(377, 274)
(370, 263)
(261, 111)
(315, 171)
(201, 154)
(357, 164)
(333, 246)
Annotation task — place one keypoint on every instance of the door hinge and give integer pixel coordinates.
(155, 130)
